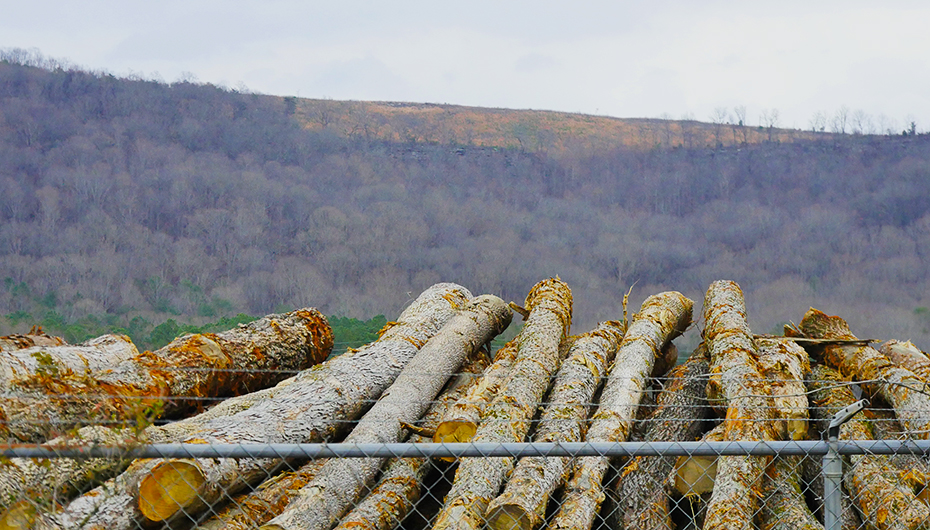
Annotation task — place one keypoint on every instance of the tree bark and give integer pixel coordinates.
(507, 417)
(736, 372)
(642, 490)
(314, 406)
(877, 375)
(786, 366)
(320, 504)
(460, 422)
(907, 356)
(662, 318)
(883, 500)
(784, 507)
(122, 385)
(522, 505)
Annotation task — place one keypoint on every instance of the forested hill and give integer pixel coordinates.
(126, 198)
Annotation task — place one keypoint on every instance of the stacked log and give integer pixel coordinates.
(107, 379)
(340, 483)
(883, 500)
(662, 318)
(507, 417)
(522, 505)
(878, 376)
(736, 372)
(315, 405)
(642, 490)
(786, 366)
(907, 356)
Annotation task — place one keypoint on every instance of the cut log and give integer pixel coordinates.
(695, 474)
(85, 387)
(786, 366)
(877, 375)
(912, 469)
(736, 372)
(341, 482)
(460, 422)
(400, 485)
(35, 337)
(641, 492)
(522, 505)
(907, 356)
(783, 504)
(316, 405)
(662, 318)
(883, 499)
(507, 417)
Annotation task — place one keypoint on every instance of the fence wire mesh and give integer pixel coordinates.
(127, 473)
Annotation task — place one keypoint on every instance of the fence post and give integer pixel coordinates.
(833, 469)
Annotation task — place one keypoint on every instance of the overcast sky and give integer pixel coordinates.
(623, 59)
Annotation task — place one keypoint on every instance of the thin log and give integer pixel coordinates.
(314, 406)
(460, 422)
(735, 370)
(341, 483)
(662, 318)
(883, 500)
(908, 356)
(168, 382)
(507, 417)
(522, 505)
(785, 366)
(783, 504)
(642, 490)
(877, 375)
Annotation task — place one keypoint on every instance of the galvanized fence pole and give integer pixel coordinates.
(833, 469)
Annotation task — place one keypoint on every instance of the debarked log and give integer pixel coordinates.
(341, 482)
(314, 406)
(877, 375)
(168, 382)
(662, 318)
(884, 501)
(507, 417)
(736, 372)
(641, 492)
(522, 504)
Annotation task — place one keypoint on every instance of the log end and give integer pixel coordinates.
(168, 488)
(694, 475)
(509, 517)
(818, 325)
(797, 428)
(455, 432)
(271, 527)
(20, 516)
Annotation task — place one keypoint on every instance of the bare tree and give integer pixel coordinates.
(739, 112)
(861, 122)
(769, 120)
(818, 122)
(840, 120)
(719, 118)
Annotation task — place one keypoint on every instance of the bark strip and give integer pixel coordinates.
(877, 375)
(642, 490)
(662, 318)
(884, 501)
(736, 373)
(522, 505)
(507, 417)
(341, 482)
(313, 406)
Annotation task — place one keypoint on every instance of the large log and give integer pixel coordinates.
(883, 499)
(908, 356)
(460, 422)
(642, 501)
(397, 490)
(522, 505)
(316, 405)
(341, 482)
(877, 375)
(507, 417)
(784, 506)
(913, 470)
(785, 366)
(117, 385)
(662, 318)
(35, 337)
(736, 372)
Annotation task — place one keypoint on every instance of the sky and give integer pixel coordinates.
(674, 59)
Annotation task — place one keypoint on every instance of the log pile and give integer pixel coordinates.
(431, 377)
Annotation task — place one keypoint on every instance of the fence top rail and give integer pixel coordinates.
(407, 450)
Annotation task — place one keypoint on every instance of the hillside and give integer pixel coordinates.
(127, 198)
